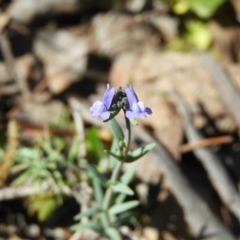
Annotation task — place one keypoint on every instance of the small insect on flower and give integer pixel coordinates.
(136, 108)
(101, 108)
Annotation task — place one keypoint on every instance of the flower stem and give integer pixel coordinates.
(116, 172)
(108, 195)
(128, 141)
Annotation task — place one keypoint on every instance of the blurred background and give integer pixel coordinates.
(181, 56)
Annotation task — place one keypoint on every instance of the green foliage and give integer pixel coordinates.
(114, 148)
(126, 178)
(117, 130)
(63, 120)
(129, 174)
(196, 35)
(90, 212)
(95, 225)
(2, 145)
(194, 31)
(113, 234)
(42, 163)
(110, 195)
(98, 191)
(94, 145)
(1, 155)
(134, 122)
(72, 154)
(46, 163)
(133, 156)
(120, 187)
(202, 8)
(95, 173)
(122, 207)
(138, 153)
(43, 205)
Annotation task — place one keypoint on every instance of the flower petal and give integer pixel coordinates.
(105, 115)
(97, 108)
(148, 111)
(130, 114)
(131, 95)
(108, 96)
(135, 108)
(138, 110)
(141, 106)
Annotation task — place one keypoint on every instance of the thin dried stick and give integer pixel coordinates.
(205, 143)
(11, 148)
(85, 199)
(10, 193)
(4, 20)
(228, 92)
(216, 171)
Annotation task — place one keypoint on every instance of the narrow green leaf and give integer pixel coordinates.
(129, 174)
(122, 188)
(113, 234)
(205, 8)
(98, 191)
(122, 207)
(95, 173)
(120, 198)
(73, 151)
(94, 143)
(116, 130)
(114, 148)
(23, 177)
(113, 155)
(133, 122)
(138, 153)
(129, 217)
(90, 212)
(58, 176)
(89, 225)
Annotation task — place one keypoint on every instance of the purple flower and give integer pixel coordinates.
(136, 108)
(100, 108)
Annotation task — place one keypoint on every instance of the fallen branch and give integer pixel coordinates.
(228, 92)
(216, 171)
(24, 191)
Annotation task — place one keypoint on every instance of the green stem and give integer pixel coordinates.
(114, 177)
(128, 125)
(108, 194)
(116, 172)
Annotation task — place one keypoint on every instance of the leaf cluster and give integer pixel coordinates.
(118, 210)
(45, 163)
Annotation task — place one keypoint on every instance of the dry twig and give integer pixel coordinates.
(216, 171)
(228, 92)
(84, 198)
(206, 142)
(8, 157)
(10, 193)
